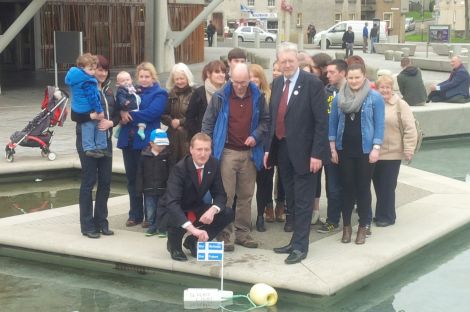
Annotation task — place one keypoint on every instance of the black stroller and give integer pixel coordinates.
(39, 132)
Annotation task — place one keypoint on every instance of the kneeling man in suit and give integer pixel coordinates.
(185, 206)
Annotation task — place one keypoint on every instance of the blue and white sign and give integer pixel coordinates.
(210, 251)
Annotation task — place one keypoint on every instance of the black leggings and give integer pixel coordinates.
(264, 189)
(356, 174)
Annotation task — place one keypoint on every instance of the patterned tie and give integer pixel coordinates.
(199, 175)
(281, 112)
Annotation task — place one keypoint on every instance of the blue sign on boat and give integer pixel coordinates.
(210, 251)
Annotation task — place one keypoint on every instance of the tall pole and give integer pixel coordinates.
(467, 22)
(422, 21)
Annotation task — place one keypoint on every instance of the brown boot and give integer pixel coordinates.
(347, 232)
(279, 211)
(269, 213)
(361, 235)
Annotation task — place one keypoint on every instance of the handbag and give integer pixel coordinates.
(420, 131)
(343, 45)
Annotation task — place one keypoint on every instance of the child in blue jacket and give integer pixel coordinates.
(86, 100)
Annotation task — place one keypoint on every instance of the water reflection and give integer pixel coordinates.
(27, 197)
(434, 279)
(447, 157)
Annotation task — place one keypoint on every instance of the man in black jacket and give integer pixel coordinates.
(348, 40)
(210, 31)
(184, 203)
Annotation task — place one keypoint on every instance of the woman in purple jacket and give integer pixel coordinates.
(152, 106)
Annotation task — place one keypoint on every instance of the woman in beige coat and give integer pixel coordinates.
(399, 143)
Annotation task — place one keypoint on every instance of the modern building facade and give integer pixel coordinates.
(121, 30)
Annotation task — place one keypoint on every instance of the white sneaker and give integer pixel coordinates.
(315, 216)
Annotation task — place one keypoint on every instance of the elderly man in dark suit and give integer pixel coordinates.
(184, 206)
(298, 143)
(454, 89)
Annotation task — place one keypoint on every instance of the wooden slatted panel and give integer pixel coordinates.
(115, 30)
(192, 49)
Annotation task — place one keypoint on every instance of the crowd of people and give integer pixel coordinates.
(193, 155)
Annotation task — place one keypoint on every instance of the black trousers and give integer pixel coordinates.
(439, 96)
(221, 220)
(264, 189)
(300, 192)
(94, 171)
(356, 174)
(385, 183)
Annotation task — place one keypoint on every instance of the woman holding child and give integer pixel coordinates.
(94, 170)
(152, 106)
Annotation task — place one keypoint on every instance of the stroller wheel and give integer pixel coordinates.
(44, 154)
(9, 157)
(51, 156)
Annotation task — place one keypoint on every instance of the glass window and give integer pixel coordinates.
(388, 18)
(338, 17)
(271, 2)
(340, 28)
(251, 3)
(246, 29)
(299, 19)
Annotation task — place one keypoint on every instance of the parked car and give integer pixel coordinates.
(334, 34)
(247, 33)
(410, 24)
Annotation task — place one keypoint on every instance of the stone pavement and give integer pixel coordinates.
(324, 272)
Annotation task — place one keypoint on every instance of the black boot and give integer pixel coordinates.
(289, 225)
(260, 224)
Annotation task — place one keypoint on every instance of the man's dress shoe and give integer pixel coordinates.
(284, 249)
(295, 257)
(107, 232)
(91, 234)
(177, 255)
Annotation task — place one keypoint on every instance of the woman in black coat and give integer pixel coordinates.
(214, 79)
(93, 220)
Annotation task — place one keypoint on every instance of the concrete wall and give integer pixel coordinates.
(398, 20)
(452, 14)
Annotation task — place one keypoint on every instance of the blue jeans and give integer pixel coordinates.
(333, 193)
(92, 138)
(373, 40)
(150, 205)
(131, 162)
(94, 170)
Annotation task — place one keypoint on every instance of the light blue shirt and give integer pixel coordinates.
(293, 81)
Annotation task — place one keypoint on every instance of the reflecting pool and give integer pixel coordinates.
(434, 278)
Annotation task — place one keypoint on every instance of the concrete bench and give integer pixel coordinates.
(263, 61)
(442, 49)
(432, 64)
(388, 55)
(382, 47)
(446, 49)
(397, 56)
(340, 55)
(406, 52)
(453, 117)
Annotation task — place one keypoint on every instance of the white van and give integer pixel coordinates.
(334, 34)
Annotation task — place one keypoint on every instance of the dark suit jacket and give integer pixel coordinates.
(457, 84)
(306, 122)
(184, 194)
